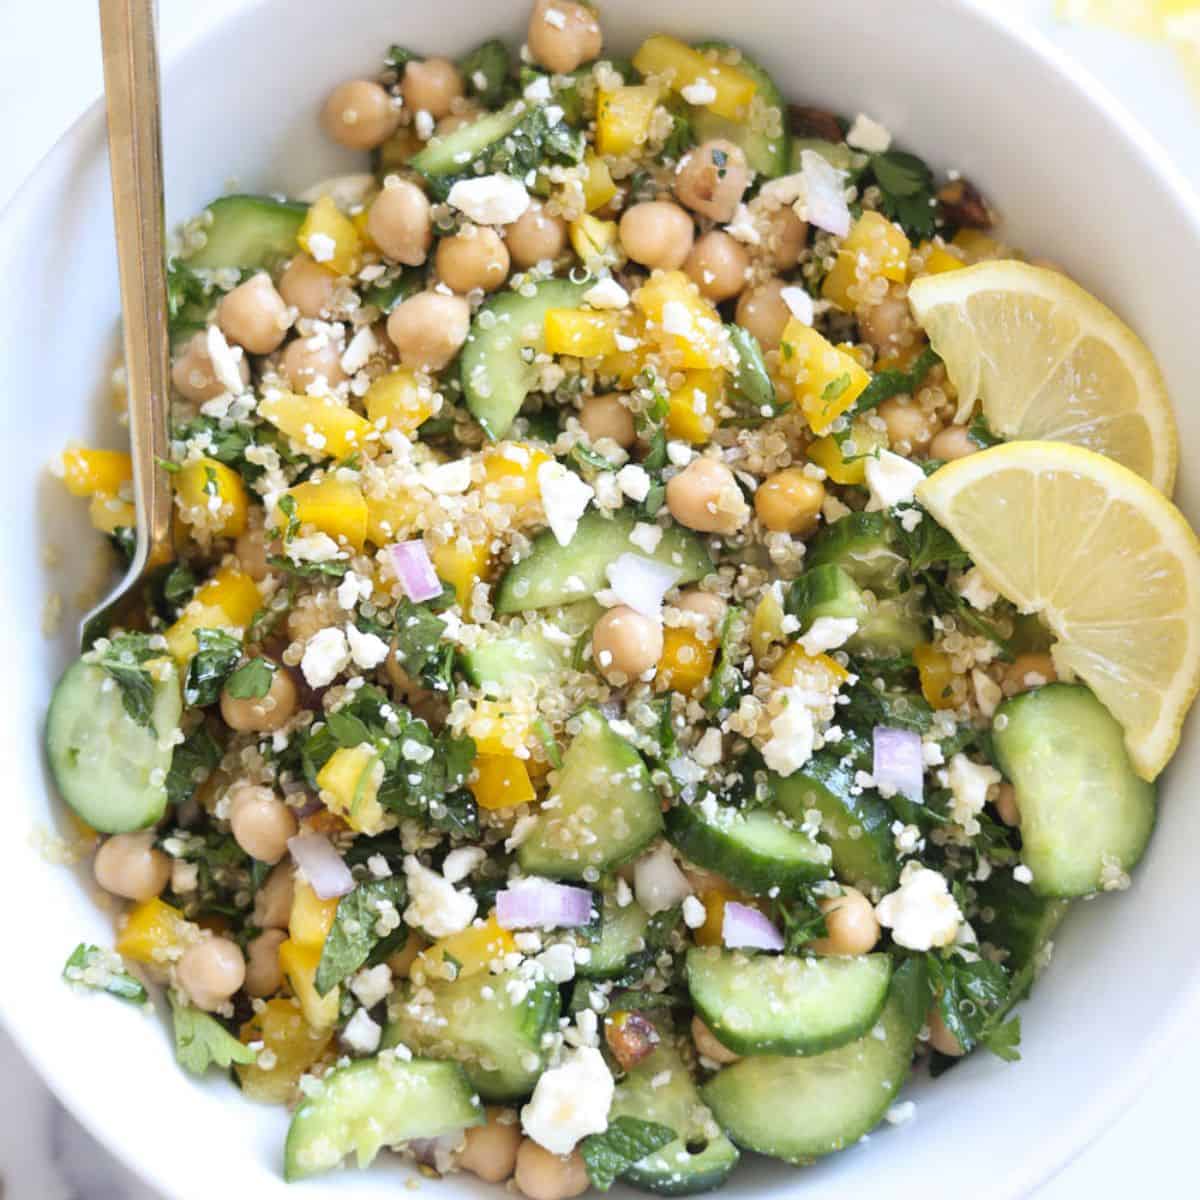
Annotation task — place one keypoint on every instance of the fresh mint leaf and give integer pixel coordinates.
(972, 1000)
(124, 662)
(355, 931)
(202, 1042)
(103, 977)
(626, 1141)
(927, 544)
(193, 761)
(908, 192)
(348, 730)
(216, 656)
(252, 680)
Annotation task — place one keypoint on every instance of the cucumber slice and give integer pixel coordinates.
(111, 770)
(780, 1004)
(863, 545)
(375, 1103)
(249, 232)
(798, 1109)
(622, 940)
(1021, 923)
(1084, 811)
(891, 626)
(503, 664)
(755, 851)
(453, 154)
(603, 811)
(768, 156)
(492, 1024)
(661, 1089)
(857, 828)
(496, 377)
(554, 574)
(826, 591)
(837, 154)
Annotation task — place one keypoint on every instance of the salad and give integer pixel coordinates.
(669, 612)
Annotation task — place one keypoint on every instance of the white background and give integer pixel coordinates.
(49, 72)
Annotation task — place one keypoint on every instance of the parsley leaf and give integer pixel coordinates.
(189, 301)
(398, 57)
(680, 138)
(908, 193)
(972, 999)
(727, 681)
(124, 662)
(801, 921)
(216, 655)
(894, 382)
(946, 601)
(750, 387)
(980, 432)
(355, 930)
(334, 569)
(191, 764)
(626, 1141)
(927, 544)
(202, 1042)
(585, 456)
(287, 506)
(486, 72)
(417, 632)
(116, 983)
(123, 540)
(252, 680)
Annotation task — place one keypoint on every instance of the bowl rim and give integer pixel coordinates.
(1097, 1112)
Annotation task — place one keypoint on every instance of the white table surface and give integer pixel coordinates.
(44, 1154)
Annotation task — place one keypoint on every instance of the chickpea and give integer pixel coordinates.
(535, 237)
(887, 325)
(789, 501)
(707, 605)
(128, 865)
(456, 120)
(261, 822)
(431, 86)
(313, 364)
(1028, 671)
(307, 286)
(626, 644)
(657, 233)
(210, 972)
(1006, 805)
(940, 1038)
(399, 223)
(193, 375)
(786, 237)
(761, 311)
(252, 549)
(254, 315)
(541, 1175)
(952, 442)
(712, 178)
(851, 922)
(429, 329)
(718, 265)
(491, 1150)
(706, 1044)
(273, 901)
(705, 496)
(475, 257)
(264, 977)
(909, 426)
(360, 114)
(607, 417)
(563, 35)
(262, 714)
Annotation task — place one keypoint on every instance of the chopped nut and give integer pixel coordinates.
(808, 121)
(962, 203)
(630, 1037)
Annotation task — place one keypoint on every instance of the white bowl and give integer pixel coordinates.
(1075, 180)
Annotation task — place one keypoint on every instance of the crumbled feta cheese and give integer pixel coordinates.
(372, 984)
(448, 479)
(225, 361)
(361, 1033)
(608, 293)
(891, 479)
(358, 353)
(558, 962)
(352, 589)
(313, 547)
(434, 903)
(790, 745)
(326, 656)
(676, 319)
(828, 633)
(570, 1101)
(921, 912)
(700, 92)
(900, 1114)
(423, 123)
(987, 692)
(555, 18)
(867, 134)
(564, 497)
(490, 199)
(538, 92)
(709, 748)
(968, 783)
(367, 649)
(742, 228)
(646, 537)
(694, 912)
(378, 866)
(974, 589)
(799, 304)
(634, 481)
(680, 453)
(321, 247)
(910, 517)
(1022, 874)
(458, 864)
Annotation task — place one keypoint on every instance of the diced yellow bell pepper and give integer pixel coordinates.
(462, 565)
(874, 247)
(833, 460)
(510, 475)
(939, 260)
(766, 626)
(936, 673)
(290, 1046)
(228, 600)
(299, 965)
(311, 918)
(502, 781)
(334, 506)
(108, 514)
(714, 900)
(474, 950)
(593, 240)
(977, 245)
(330, 238)
(399, 401)
(89, 472)
(152, 933)
(692, 408)
(687, 660)
(827, 380)
(320, 426)
(349, 784)
(496, 729)
(598, 185)
(581, 332)
(390, 518)
(681, 66)
(796, 663)
(680, 320)
(212, 496)
(623, 119)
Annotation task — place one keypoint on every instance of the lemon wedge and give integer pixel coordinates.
(1049, 362)
(1109, 563)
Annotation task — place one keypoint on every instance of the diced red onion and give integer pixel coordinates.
(824, 194)
(641, 582)
(414, 569)
(745, 928)
(322, 865)
(540, 904)
(436, 1152)
(658, 883)
(899, 766)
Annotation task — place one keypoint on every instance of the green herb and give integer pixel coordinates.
(655, 498)
(727, 681)
(908, 193)
(202, 1042)
(192, 762)
(287, 506)
(750, 388)
(418, 634)
(873, 701)
(835, 387)
(222, 873)
(123, 540)
(124, 662)
(398, 57)
(334, 569)
(216, 656)
(252, 680)
(165, 464)
(347, 729)
(116, 983)
(355, 930)
(178, 585)
(424, 789)
(893, 382)
(553, 755)
(972, 1000)
(747, 784)
(626, 1141)
(486, 72)
(980, 432)
(585, 456)
(189, 301)
(801, 921)
(927, 544)
(389, 291)
(681, 138)
(948, 602)
(264, 621)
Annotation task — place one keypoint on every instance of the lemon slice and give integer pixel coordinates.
(1049, 363)
(1110, 564)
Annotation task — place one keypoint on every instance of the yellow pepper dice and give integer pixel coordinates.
(977, 245)
(330, 238)
(474, 950)
(319, 425)
(939, 260)
(874, 247)
(623, 118)
(598, 185)
(154, 929)
(299, 965)
(692, 408)
(680, 320)
(292, 1048)
(108, 514)
(510, 475)
(936, 673)
(681, 66)
(390, 518)
(462, 565)
(766, 626)
(838, 462)
(686, 661)
(349, 784)
(795, 664)
(334, 506)
(95, 472)
(496, 730)
(400, 401)
(711, 933)
(311, 918)
(228, 600)
(502, 781)
(212, 497)
(581, 332)
(593, 240)
(827, 380)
